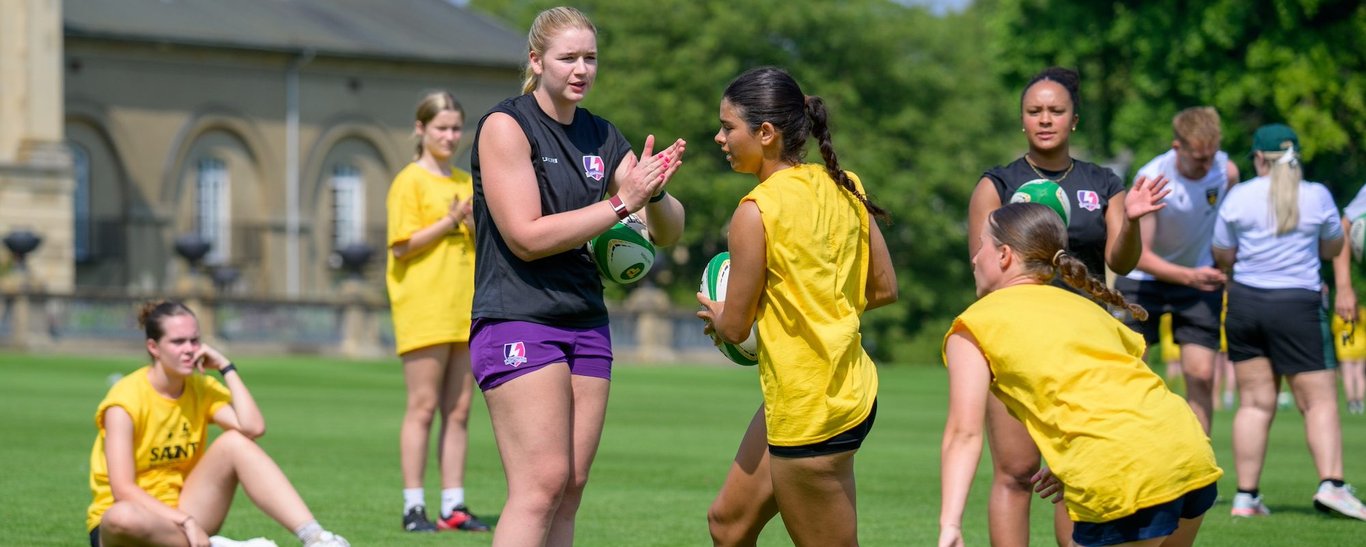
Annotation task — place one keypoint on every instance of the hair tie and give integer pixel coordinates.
(1058, 256)
(1288, 158)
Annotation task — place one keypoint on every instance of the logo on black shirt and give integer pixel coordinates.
(593, 167)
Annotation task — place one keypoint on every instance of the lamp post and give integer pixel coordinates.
(193, 249)
(354, 257)
(20, 243)
(360, 331)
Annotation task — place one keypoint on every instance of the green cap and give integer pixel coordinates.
(1273, 138)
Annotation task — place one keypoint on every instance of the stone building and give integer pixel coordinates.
(269, 128)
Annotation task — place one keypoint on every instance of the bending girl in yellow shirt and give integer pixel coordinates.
(806, 262)
(1127, 454)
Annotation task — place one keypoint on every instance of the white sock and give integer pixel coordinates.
(413, 497)
(308, 532)
(450, 498)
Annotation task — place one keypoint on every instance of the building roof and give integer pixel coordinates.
(422, 30)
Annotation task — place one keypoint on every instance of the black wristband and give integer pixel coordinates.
(658, 197)
(225, 370)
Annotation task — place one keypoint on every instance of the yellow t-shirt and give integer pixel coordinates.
(1355, 350)
(430, 292)
(1105, 423)
(817, 380)
(168, 436)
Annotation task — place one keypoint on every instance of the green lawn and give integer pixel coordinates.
(670, 435)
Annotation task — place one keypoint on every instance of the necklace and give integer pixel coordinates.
(1070, 165)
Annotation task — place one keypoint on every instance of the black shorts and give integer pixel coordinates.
(1195, 313)
(850, 439)
(1287, 326)
(95, 536)
(1149, 522)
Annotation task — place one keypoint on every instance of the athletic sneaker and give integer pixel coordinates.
(462, 519)
(1340, 500)
(328, 539)
(1244, 505)
(1284, 399)
(1356, 407)
(415, 520)
(220, 541)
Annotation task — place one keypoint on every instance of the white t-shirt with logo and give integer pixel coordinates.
(1185, 226)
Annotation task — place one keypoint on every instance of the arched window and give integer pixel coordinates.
(213, 209)
(348, 206)
(80, 203)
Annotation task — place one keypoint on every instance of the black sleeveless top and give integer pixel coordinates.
(573, 164)
(1088, 187)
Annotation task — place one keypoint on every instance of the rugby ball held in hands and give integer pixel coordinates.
(714, 280)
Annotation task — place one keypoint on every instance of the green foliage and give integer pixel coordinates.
(1292, 61)
(915, 110)
(922, 104)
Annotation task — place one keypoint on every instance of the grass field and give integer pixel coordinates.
(671, 431)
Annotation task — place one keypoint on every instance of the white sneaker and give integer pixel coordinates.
(1284, 399)
(1341, 500)
(328, 539)
(220, 541)
(1244, 505)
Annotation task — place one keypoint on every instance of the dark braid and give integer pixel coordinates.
(1075, 274)
(820, 128)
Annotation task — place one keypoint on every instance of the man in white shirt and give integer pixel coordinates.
(1176, 272)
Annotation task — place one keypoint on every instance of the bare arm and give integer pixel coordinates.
(984, 200)
(1204, 278)
(969, 387)
(1123, 236)
(748, 268)
(242, 414)
(123, 484)
(1345, 303)
(881, 287)
(1224, 258)
(427, 236)
(1329, 249)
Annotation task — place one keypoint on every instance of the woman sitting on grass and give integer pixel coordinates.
(1128, 455)
(155, 479)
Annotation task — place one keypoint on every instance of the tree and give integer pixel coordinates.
(915, 109)
(1294, 61)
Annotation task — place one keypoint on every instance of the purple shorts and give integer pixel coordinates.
(501, 350)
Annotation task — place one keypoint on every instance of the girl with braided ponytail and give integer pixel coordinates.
(1075, 376)
(1102, 231)
(806, 261)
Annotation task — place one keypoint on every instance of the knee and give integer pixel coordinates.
(121, 520)
(457, 415)
(1016, 474)
(545, 493)
(233, 439)
(421, 407)
(723, 526)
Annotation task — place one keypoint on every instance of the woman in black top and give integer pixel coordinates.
(1103, 231)
(540, 346)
